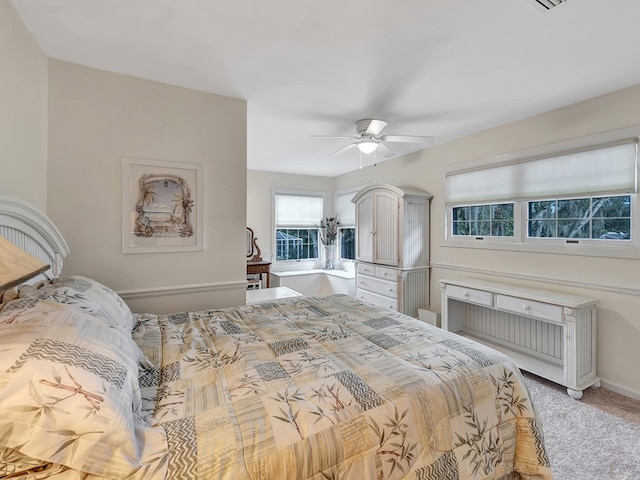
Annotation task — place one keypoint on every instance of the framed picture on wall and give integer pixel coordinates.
(162, 206)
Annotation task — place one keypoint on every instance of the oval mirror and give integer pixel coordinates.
(253, 251)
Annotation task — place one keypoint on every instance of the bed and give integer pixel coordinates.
(301, 388)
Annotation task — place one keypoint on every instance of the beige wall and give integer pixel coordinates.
(618, 323)
(95, 119)
(23, 111)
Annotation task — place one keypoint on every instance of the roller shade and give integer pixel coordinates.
(346, 209)
(609, 169)
(298, 210)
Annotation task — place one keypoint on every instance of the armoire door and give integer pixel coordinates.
(364, 229)
(386, 216)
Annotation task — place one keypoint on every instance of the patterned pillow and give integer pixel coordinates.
(8, 295)
(21, 291)
(81, 292)
(69, 395)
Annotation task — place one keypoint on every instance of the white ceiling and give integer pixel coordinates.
(445, 68)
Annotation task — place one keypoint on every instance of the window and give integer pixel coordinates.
(537, 199)
(595, 218)
(296, 232)
(296, 243)
(490, 220)
(346, 211)
(347, 243)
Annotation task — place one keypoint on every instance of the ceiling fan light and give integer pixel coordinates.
(367, 146)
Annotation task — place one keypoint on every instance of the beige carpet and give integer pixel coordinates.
(596, 438)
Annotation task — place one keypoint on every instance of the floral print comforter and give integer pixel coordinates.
(330, 388)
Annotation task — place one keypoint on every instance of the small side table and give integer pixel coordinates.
(260, 267)
(270, 294)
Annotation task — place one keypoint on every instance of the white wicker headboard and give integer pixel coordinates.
(25, 226)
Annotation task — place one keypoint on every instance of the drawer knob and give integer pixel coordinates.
(526, 307)
(391, 289)
(466, 294)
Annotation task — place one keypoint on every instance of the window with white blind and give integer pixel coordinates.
(580, 196)
(346, 211)
(296, 217)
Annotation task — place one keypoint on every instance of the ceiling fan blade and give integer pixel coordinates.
(386, 151)
(343, 149)
(406, 139)
(375, 127)
(331, 136)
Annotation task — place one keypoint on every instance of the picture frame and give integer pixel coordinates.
(162, 206)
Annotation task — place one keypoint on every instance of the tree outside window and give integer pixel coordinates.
(597, 218)
(489, 220)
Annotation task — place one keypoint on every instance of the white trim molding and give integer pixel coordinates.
(535, 278)
(181, 290)
(614, 387)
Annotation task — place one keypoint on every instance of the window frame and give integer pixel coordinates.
(340, 257)
(497, 238)
(302, 245)
(520, 241)
(582, 241)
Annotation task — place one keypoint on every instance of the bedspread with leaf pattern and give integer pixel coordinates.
(328, 388)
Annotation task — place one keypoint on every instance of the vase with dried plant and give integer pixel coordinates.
(328, 230)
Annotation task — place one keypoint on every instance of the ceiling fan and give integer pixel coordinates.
(368, 138)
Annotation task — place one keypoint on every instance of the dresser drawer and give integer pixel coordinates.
(470, 295)
(378, 300)
(386, 273)
(366, 269)
(376, 285)
(530, 308)
(260, 269)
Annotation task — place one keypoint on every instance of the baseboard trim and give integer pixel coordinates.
(181, 289)
(535, 278)
(614, 387)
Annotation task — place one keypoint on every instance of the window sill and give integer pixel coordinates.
(334, 273)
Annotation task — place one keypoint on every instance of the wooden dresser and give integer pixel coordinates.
(261, 268)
